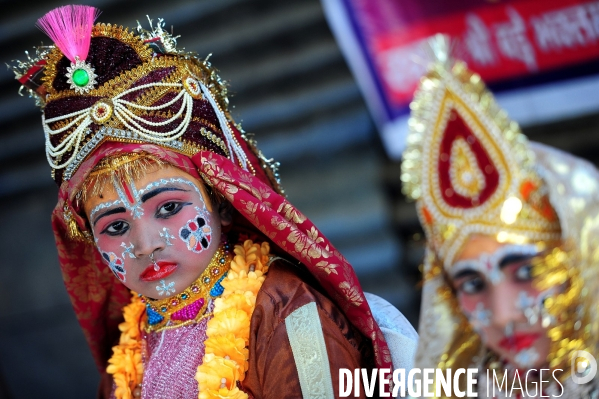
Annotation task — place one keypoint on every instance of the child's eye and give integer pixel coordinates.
(524, 273)
(116, 228)
(472, 285)
(170, 209)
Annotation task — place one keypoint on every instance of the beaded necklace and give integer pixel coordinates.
(190, 305)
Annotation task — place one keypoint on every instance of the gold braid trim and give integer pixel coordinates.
(127, 167)
(123, 81)
(126, 36)
(411, 166)
(570, 308)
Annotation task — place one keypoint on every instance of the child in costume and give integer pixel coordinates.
(190, 273)
(512, 231)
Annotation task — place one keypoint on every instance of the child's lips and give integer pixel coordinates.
(519, 341)
(166, 269)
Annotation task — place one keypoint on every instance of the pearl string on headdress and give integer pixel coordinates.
(224, 125)
(121, 109)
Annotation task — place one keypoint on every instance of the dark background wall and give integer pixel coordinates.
(291, 87)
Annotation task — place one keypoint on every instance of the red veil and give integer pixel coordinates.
(98, 298)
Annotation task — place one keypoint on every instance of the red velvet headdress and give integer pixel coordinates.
(137, 92)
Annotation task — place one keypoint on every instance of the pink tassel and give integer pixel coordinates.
(70, 28)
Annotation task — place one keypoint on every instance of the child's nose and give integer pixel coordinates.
(147, 241)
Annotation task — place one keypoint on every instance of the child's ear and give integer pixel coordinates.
(225, 213)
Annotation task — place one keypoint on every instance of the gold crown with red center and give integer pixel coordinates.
(468, 166)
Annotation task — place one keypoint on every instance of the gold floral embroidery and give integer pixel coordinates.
(352, 293)
(305, 246)
(278, 224)
(313, 234)
(261, 193)
(327, 267)
(290, 213)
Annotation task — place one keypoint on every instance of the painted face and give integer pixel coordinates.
(493, 282)
(158, 233)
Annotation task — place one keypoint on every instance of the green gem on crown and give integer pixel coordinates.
(80, 77)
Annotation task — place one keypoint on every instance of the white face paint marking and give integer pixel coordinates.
(167, 236)
(527, 357)
(165, 289)
(479, 317)
(488, 264)
(132, 201)
(103, 206)
(128, 250)
(533, 307)
(528, 305)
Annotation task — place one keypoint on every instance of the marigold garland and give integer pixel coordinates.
(126, 365)
(226, 355)
(226, 358)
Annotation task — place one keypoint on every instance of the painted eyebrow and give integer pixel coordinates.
(159, 190)
(464, 273)
(509, 259)
(120, 209)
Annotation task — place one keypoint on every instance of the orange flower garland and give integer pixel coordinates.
(226, 355)
(125, 365)
(226, 358)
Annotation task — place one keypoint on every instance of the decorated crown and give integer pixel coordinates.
(467, 164)
(102, 83)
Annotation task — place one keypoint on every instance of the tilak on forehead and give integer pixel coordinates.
(131, 198)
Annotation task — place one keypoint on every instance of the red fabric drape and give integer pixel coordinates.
(98, 298)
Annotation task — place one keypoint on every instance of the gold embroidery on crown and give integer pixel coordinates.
(99, 30)
(182, 68)
(67, 149)
(458, 90)
(101, 111)
(466, 177)
(126, 79)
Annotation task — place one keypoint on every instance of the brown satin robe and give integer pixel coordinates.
(272, 372)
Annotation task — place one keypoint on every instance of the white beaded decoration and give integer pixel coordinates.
(138, 126)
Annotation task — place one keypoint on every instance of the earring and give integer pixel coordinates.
(156, 267)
